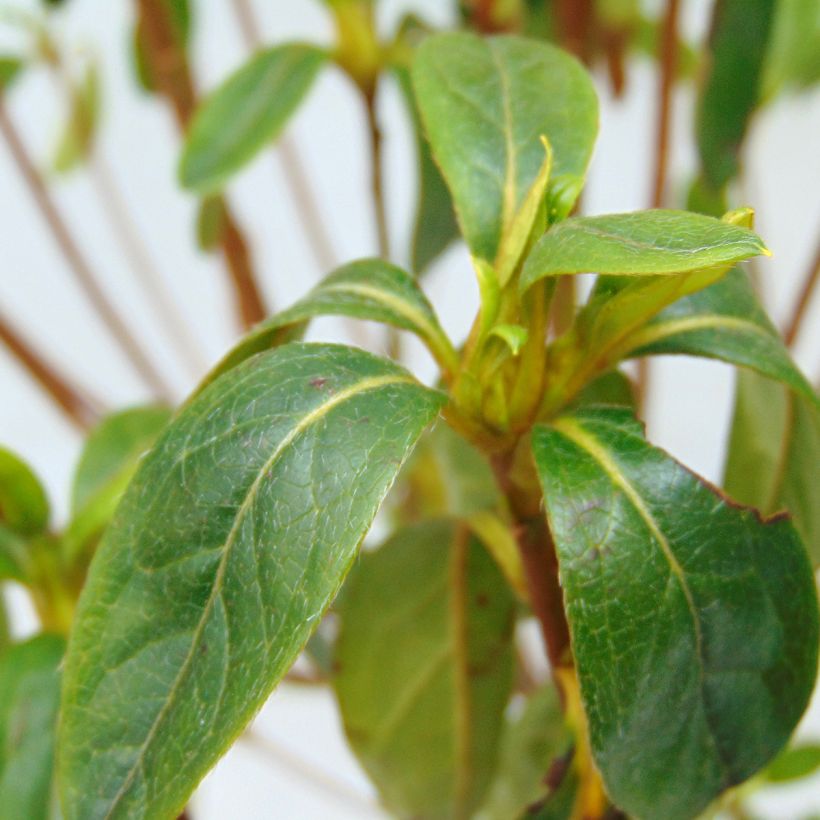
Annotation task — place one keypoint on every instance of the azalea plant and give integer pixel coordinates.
(212, 545)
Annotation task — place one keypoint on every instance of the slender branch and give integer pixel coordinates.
(801, 307)
(290, 161)
(170, 71)
(77, 262)
(152, 281)
(376, 177)
(575, 18)
(307, 771)
(668, 56)
(82, 411)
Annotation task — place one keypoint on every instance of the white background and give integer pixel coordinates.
(690, 401)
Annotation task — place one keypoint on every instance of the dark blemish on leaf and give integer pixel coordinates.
(364, 420)
(203, 648)
(482, 599)
(318, 383)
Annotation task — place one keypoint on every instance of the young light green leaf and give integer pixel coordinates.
(107, 463)
(686, 613)
(435, 224)
(23, 502)
(370, 289)
(29, 697)
(210, 223)
(245, 113)
(730, 91)
(425, 669)
(534, 736)
(794, 763)
(642, 243)
(77, 139)
(15, 558)
(485, 104)
(792, 54)
(10, 69)
(230, 543)
(724, 321)
(773, 454)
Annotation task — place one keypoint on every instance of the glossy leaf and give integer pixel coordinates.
(485, 104)
(29, 697)
(639, 244)
(435, 226)
(725, 321)
(425, 669)
(534, 737)
(774, 452)
(245, 113)
(369, 289)
(23, 503)
(730, 91)
(230, 543)
(694, 624)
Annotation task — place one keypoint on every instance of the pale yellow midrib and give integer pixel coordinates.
(309, 419)
(579, 436)
(657, 332)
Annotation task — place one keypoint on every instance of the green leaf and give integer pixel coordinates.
(29, 697)
(485, 104)
(773, 455)
(730, 91)
(10, 68)
(15, 557)
(534, 737)
(107, 463)
(245, 113)
(77, 139)
(23, 502)
(210, 223)
(425, 669)
(435, 224)
(642, 243)
(612, 388)
(725, 321)
(368, 289)
(794, 763)
(792, 56)
(694, 624)
(230, 543)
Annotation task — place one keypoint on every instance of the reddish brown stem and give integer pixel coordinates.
(78, 264)
(172, 75)
(80, 410)
(575, 19)
(668, 56)
(809, 286)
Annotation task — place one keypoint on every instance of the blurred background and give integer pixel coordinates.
(300, 767)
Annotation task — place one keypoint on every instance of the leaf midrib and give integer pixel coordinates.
(309, 419)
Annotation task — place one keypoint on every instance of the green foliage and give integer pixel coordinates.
(10, 68)
(23, 503)
(424, 670)
(715, 610)
(794, 763)
(77, 139)
(485, 105)
(773, 455)
(245, 113)
(232, 540)
(29, 697)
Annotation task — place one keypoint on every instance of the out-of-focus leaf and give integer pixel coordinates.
(210, 222)
(643, 243)
(15, 563)
(23, 502)
(233, 538)
(774, 453)
(730, 92)
(716, 610)
(425, 669)
(245, 113)
(77, 140)
(725, 321)
(370, 289)
(435, 221)
(10, 69)
(793, 57)
(29, 697)
(486, 104)
(794, 763)
(534, 736)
